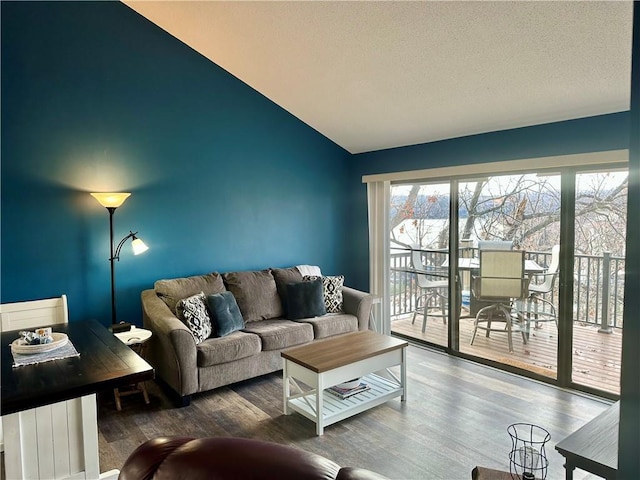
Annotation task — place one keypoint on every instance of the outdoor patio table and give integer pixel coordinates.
(472, 264)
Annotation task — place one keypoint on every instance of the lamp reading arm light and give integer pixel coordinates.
(137, 245)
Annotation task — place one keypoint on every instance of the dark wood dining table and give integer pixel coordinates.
(49, 411)
(104, 362)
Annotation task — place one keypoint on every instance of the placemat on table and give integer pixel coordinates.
(68, 350)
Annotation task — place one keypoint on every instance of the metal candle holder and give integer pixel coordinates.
(527, 458)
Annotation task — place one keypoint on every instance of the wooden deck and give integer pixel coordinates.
(596, 356)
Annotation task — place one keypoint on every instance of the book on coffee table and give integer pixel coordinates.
(347, 392)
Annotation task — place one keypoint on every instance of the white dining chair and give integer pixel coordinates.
(33, 314)
(62, 437)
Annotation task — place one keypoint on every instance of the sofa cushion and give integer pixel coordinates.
(225, 314)
(175, 289)
(332, 286)
(305, 299)
(283, 276)
(332, 324)
(193, 312)
(278, 334)
(218, 350)
(256, 294)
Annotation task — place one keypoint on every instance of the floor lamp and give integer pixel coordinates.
(112, 201)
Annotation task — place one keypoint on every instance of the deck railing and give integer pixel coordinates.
(598, 285)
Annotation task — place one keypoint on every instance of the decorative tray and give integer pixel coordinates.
(19, 345)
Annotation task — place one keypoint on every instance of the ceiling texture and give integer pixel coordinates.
(371, 75)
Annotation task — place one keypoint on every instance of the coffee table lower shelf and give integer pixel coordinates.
(335, 409)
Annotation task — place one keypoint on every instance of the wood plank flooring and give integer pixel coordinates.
(597, 357)
(456, 417)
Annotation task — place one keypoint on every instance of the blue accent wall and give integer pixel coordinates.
(97, 98)
(593, 134)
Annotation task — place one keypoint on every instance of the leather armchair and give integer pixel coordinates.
(222, 458)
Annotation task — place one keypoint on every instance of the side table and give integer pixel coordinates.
(135, 339)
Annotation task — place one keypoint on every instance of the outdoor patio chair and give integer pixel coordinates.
(501, 280)
(539, 309)
(431, 300)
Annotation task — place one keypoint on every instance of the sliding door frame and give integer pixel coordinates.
(567, 166)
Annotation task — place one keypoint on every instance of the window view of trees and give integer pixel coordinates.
(601, 213)
(522, 208)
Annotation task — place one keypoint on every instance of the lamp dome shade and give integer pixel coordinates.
(111, 199)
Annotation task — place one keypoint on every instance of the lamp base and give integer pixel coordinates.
(120, 327)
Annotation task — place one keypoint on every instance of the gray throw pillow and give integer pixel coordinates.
(225, 314)
(305, 300)
(193, 312)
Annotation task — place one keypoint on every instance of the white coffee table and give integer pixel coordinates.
(322, 364)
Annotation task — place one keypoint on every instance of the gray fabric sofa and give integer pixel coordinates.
(188, 368)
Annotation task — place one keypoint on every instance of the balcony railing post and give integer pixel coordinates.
(606, 278)
(466, 247)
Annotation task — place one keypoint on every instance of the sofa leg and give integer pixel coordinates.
(178, 400)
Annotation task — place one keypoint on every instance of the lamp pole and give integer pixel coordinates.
(112, 200)
(111, 260)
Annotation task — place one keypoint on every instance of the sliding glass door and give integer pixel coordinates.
(419, 241)
(598, 272)
(566, 324)
(514, 212)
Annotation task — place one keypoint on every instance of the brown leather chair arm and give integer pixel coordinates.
(225, 458)
(145, 460)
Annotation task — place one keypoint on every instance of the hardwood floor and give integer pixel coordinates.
(456, 417)
(597, 357)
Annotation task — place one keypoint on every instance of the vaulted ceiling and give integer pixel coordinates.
(371, 75)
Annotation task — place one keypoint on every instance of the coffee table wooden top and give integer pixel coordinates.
(326, 355)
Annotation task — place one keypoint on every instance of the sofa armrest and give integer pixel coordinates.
(357, 303)
(171, 350)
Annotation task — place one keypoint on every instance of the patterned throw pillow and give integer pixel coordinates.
(193, 312)
(332, 289)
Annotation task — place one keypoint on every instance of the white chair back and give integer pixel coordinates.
(425, 280)
(33, 314)
(555, 259)
(550, 273)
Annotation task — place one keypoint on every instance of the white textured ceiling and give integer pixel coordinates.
(375, 75)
